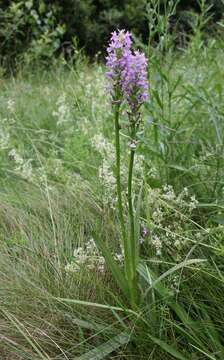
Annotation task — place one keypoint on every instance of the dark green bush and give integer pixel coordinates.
(29, 27)
(42, 29)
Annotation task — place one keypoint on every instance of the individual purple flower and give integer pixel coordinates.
(145, 232)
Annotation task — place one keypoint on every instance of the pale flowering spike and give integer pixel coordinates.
(135, 83)
(118, 50)
(119, 40)
(127, 70)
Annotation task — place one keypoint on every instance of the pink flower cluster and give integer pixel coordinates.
(127, 70)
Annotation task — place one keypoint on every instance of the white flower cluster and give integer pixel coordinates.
(175, 283)
(168, 217)
(11, 105)
(168, 192)
(23, 167)
(156, 242)
(63, 113)
(139, 165)
(184, 199)
(106, 175)
(4, 138)
(5, 132)
(87, 256)
(84, 125)
(105, 148)
(95, 93)
(119, 257)
(193, 203)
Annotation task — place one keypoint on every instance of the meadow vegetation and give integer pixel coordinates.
(58, 299)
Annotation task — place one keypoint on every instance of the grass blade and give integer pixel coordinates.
(114, 267)
(97, 305)
(168, 348)
(102, 351)
(179, 266)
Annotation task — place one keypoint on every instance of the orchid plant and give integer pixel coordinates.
(128, 86)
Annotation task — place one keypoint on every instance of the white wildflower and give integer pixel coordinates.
(193, 203)
(157, 215)
(139, 164)
(89, 256)
(58, 166)
(119, 258)
(105, 148)
(16, 156)
(168, 192)
(156, 242)
(106, 176)
(177, 243)
(26, 170)
(11, 105)
(23, 167)
(71, 268)
(4, 139)
(63, 113)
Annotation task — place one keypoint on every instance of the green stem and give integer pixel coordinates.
(119, 196)
(133, 288)
(130, 204)
(118, 172)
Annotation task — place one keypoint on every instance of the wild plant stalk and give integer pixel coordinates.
(133, 240)
(119, 190)
(129, 244)
(128, 75)
(118, 169)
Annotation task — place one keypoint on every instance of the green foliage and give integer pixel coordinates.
(39, 31)
(30, 28)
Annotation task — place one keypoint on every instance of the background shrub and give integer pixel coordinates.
(44, 29)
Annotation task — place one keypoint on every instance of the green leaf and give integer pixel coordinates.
(84, 324)
(162, 73)
(97, 305)
(187, 321)
(179, 266)
(178, 167)
(113, 266)
(102, 351)
(137, 223)
(157, 97)
(218, 219)
(176, 84)
(168, 348)
(203, 352)
(150, 277)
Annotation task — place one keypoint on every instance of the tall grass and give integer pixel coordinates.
(57, 193)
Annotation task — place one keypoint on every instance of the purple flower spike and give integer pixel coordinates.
(118, 50)
(127, 70)
(135, 83)
(119, 40)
